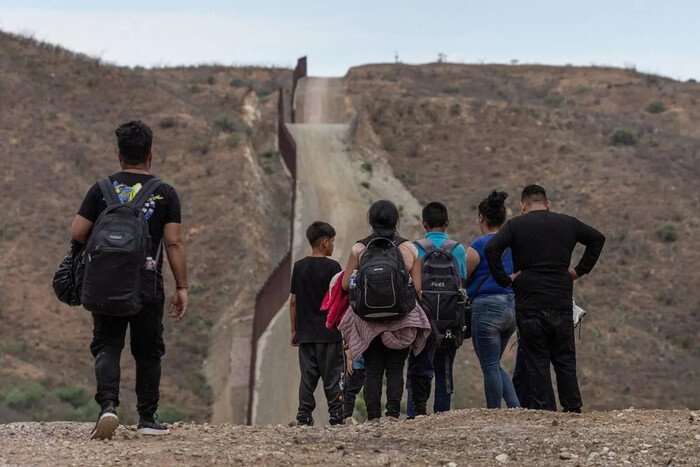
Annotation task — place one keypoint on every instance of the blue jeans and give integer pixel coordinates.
(493, 322)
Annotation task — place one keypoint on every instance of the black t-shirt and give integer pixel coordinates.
(541, 243)
(162, 207)
(310, 279)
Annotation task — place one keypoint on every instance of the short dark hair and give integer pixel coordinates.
(383, 217)
(435, 215)
(134, 139)
(493, 209)
(318, 231)
(533, 194)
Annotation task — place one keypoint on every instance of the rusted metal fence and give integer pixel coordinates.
(274, 293)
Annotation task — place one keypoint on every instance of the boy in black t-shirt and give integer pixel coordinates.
(320, 350)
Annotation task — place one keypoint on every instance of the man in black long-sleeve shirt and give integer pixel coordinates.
(541, 243)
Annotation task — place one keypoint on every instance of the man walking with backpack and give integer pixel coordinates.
(443, 273)
(541, 243)
(125, 221)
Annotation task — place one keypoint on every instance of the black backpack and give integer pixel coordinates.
(442, 297)
(384, 289)
(115, 278)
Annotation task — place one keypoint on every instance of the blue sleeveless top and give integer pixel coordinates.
(490, 287)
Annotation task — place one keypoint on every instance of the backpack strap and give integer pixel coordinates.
(426, 245)
(449, 245)
(108, 192)
(146, 190)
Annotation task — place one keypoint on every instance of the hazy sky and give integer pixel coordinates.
(660, 37)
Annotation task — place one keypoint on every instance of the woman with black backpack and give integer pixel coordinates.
(383, 276)
(493, 306)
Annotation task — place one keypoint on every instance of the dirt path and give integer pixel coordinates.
(329, 188)
(465, 437)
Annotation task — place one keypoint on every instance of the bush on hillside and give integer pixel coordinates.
(168, 122)
(554, 100)
(171, 414)
(237, 82)
(451, 89)
(667, 232)
(623, 136)
(25, 395)
(367, 167)
(267, 88)
(229, 125)
(656, 107)
(76, 396)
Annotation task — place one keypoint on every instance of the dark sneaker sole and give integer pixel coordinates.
(106, 426)
(152, 432)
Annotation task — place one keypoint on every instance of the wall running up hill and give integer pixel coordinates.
(328, 187)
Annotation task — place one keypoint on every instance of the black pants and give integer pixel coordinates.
(521, 382)
(147, 347)
(379, 359)
(325, 361)
(353, 385)
(420, 390)
(548, 336)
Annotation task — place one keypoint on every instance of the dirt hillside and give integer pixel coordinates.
(616, 148)
(215, 142)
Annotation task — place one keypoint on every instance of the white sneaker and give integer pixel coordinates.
(106, 425)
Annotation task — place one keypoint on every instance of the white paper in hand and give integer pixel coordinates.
(579, 313)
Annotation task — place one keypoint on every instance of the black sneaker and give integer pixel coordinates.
(107, 423)
(303, 421)
(337, 420)
(152, 427)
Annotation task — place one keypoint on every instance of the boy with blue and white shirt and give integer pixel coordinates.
(432, 361)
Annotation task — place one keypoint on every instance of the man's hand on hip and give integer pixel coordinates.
(574, 275)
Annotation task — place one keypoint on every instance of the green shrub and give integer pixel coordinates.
(554, 100)
(9, 226)
(229, 125)
(168, 122)
(365, 185)
(367, 167)
(211, 80)
(25, 395)
(623, 136)
(667, 232)
(656, 107)
(76, 396)
(171, 414)
(267, 88)
(388, 143)
(455, 110)
(233, 139)
(225, 124)
(237, 82)
(451, 89)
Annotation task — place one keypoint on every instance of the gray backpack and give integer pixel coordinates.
(442, 300)
(116, 278)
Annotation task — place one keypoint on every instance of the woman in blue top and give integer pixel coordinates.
(493, 318)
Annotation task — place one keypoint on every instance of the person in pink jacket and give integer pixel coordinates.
(384, 344)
